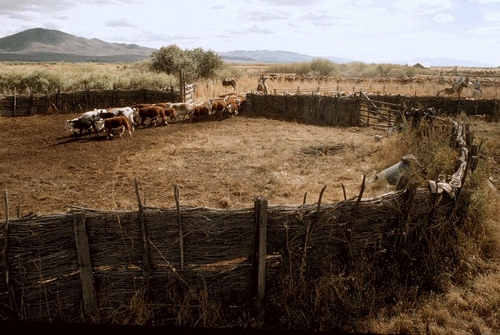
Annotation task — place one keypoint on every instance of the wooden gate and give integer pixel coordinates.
(187, 90)
(378, 113)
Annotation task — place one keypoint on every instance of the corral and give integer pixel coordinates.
(217, 165)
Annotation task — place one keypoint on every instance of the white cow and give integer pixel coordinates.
(181, 108)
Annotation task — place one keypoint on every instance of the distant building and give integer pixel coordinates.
(419, 65)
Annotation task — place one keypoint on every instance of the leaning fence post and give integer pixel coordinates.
(85, 266)
(260, 246)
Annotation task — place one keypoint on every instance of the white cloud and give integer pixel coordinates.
(495, 16)
(422, 6)
(121, 23)
(485, 31)
(444, 18)
(39, 6)
(484, 1)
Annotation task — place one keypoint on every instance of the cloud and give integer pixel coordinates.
(292, 3)
(484, 1)
(121, 23)
(262, 16)
(422, 7)
(485, 31)
(38, 6)
(444, 18)
(19, 16)
(495, 16)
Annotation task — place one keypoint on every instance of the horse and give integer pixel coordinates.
(229, 82)
(456, 88)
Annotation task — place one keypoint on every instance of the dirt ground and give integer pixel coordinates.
(216, 164)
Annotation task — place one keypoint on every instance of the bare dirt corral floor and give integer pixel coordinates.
(216, 164)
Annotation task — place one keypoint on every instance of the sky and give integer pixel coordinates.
(370, 31)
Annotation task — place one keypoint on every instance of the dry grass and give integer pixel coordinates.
(470, 304)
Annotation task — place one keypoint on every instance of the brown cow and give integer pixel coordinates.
(153, 113)
(200, 111)
(139, 106)
(170, 113)
(117, 123)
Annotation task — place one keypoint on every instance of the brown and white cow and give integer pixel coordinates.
(117, 123)
(181, 108)
(219, 107)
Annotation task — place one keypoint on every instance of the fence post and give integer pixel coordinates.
(181, 232)
(4, 257)
(32, 104)
(85, 266)
(86, 88)
(146, 267)
(260, 246)
(15, 103)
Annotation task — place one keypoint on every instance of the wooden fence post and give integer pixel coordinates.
(260, 248)
(86, 88)
(181, 232)
(4, 257)
(85, 266)
(32, 104)
(14, 103)
(146, 267)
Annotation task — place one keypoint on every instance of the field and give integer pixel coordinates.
(225, 164)
(217, 164)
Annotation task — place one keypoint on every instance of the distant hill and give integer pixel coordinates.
(451, 62)
(268, 56)
(44, 45)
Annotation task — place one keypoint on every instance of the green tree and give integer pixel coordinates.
(197, 62)
(168, 59)
(323, 67)
(207, 62)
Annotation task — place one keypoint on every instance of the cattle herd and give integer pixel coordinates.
(121, 119)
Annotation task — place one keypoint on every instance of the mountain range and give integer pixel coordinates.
(45, 45)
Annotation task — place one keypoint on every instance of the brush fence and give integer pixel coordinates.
(89, 264)
(56, 267)
(81, 101)
(346, 111)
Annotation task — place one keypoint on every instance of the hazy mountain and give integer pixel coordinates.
(268, 56)
(451, 62)
(44, 45)
(39, 45)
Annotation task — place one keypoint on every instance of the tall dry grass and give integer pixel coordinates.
(382, 78)
(470, 301)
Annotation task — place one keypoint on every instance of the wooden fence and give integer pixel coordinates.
(89, 263)
(345, 111)
(84, 100)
